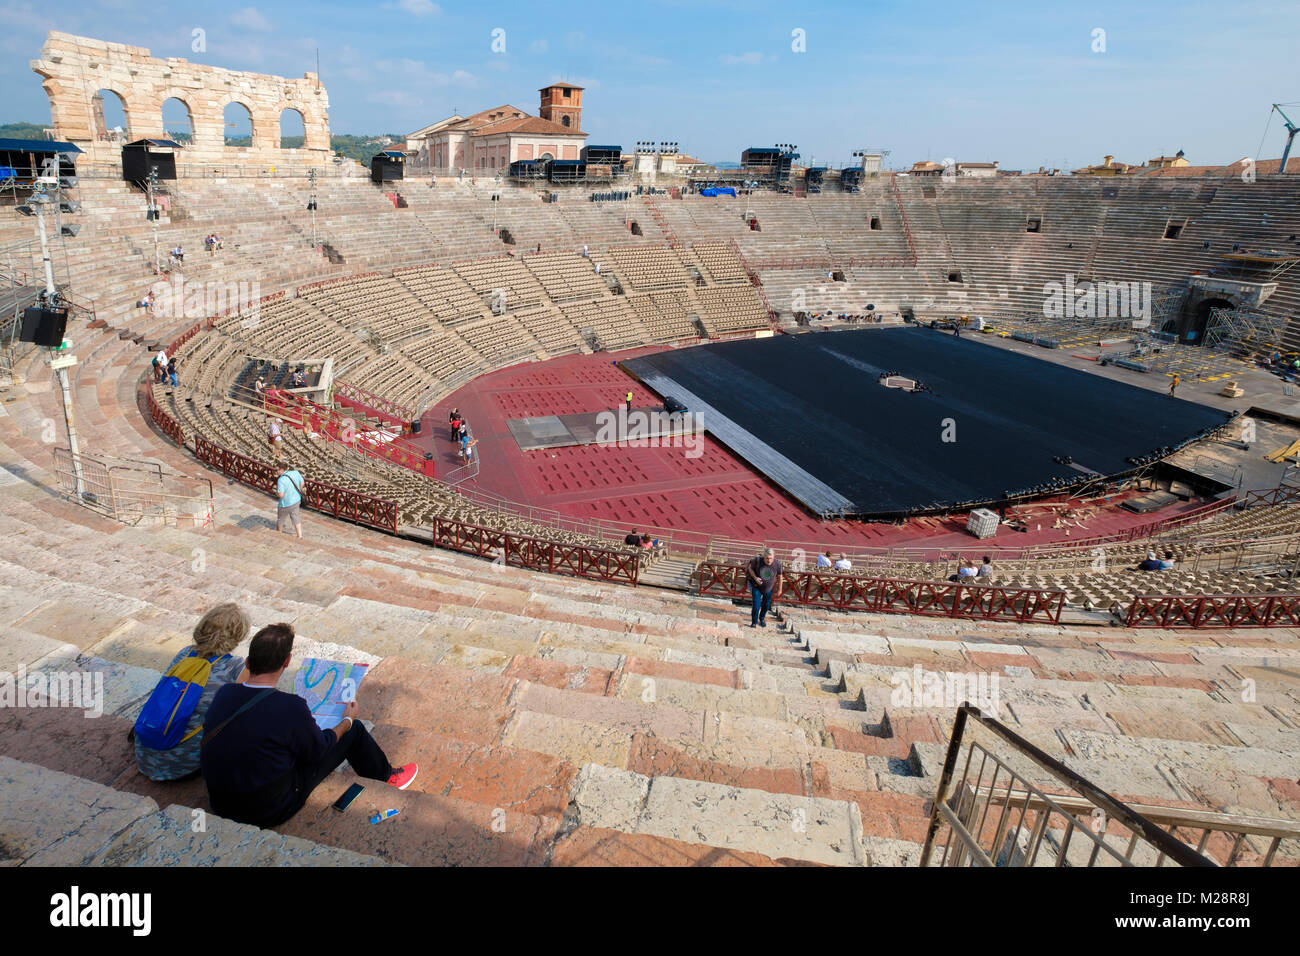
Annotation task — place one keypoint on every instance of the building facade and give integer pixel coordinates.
(489, 141)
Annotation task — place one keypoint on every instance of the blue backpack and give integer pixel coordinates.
(161, 725)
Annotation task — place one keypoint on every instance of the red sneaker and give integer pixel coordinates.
(403, 777)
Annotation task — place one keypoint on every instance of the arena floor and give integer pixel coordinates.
(811, 405)
(715, 493)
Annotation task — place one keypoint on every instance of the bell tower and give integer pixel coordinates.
(562, 103)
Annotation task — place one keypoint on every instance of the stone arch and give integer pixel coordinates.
(238, 122)
(177, 119)
(106, 115)
(73, 68)
(295, 129)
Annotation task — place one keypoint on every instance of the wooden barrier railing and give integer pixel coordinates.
(368, 403)
(170, 426)
(847, 592)
(318, 496)
(302, 412)
(536, 554)
(1214, 610)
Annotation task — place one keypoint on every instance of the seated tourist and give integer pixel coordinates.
(215, 636)
(299, 378)
(843, 564)
(649, 543)
(1168, 563)
(263, 752)
(1152, 563)
(985, 569)
(633, 539)
(824, 560)
(965, 572)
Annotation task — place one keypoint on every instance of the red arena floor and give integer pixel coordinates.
(664, 489)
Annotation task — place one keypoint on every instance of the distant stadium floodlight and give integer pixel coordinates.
(67, 206)
(25, 209)
(68, 182)
(70, 231)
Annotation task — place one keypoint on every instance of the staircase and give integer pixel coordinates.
(674, 574)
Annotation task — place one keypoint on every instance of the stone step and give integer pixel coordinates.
(811, 829)
(50, 818)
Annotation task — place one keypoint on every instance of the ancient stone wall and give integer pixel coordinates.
(76, 68)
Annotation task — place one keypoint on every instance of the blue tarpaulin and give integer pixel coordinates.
(718, 191)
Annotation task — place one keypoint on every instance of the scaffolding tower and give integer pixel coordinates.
(1244, 332)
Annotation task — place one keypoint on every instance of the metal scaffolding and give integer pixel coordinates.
(1243, 332)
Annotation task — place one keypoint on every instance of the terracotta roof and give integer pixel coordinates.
(566, 86)
(481, 119)
(1265, 167)
(527, 124)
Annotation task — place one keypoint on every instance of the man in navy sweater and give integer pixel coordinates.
(263, 752)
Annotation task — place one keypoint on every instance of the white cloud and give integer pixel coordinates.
(752, 58)
(250, 19)
(416, 8)
(416, 73)
(395, 98)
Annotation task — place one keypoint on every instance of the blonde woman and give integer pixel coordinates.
(216, 635)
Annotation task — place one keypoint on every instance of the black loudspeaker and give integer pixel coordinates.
(416, 425)
(44, 326)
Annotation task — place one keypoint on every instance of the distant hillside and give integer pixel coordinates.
(360, 148)
(23, 130)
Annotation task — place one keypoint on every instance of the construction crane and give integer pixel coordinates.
(1291, 130)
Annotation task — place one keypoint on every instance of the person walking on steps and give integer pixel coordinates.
(1174, 384)
(764, 576)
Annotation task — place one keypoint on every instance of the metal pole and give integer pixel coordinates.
(153, 217)
(61, 373)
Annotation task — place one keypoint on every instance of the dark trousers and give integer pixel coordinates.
(279, 801)
(762, 604)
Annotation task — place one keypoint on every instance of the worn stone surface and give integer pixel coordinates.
(775, 825)
(50, 818)
(179, 836)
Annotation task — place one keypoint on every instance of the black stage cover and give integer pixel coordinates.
(816, 400)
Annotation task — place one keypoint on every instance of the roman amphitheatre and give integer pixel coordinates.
(874, 376)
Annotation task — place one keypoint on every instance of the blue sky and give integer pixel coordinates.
(1015, 82)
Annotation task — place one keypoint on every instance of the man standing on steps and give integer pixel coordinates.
(289, 487)
(629, 400)
(765, 583)
(263, 753)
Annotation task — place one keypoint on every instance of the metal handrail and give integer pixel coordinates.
(958, 820)
(1171, 818)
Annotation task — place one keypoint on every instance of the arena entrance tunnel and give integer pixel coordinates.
(1197, 320)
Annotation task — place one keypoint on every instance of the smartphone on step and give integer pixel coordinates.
(345, 801)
